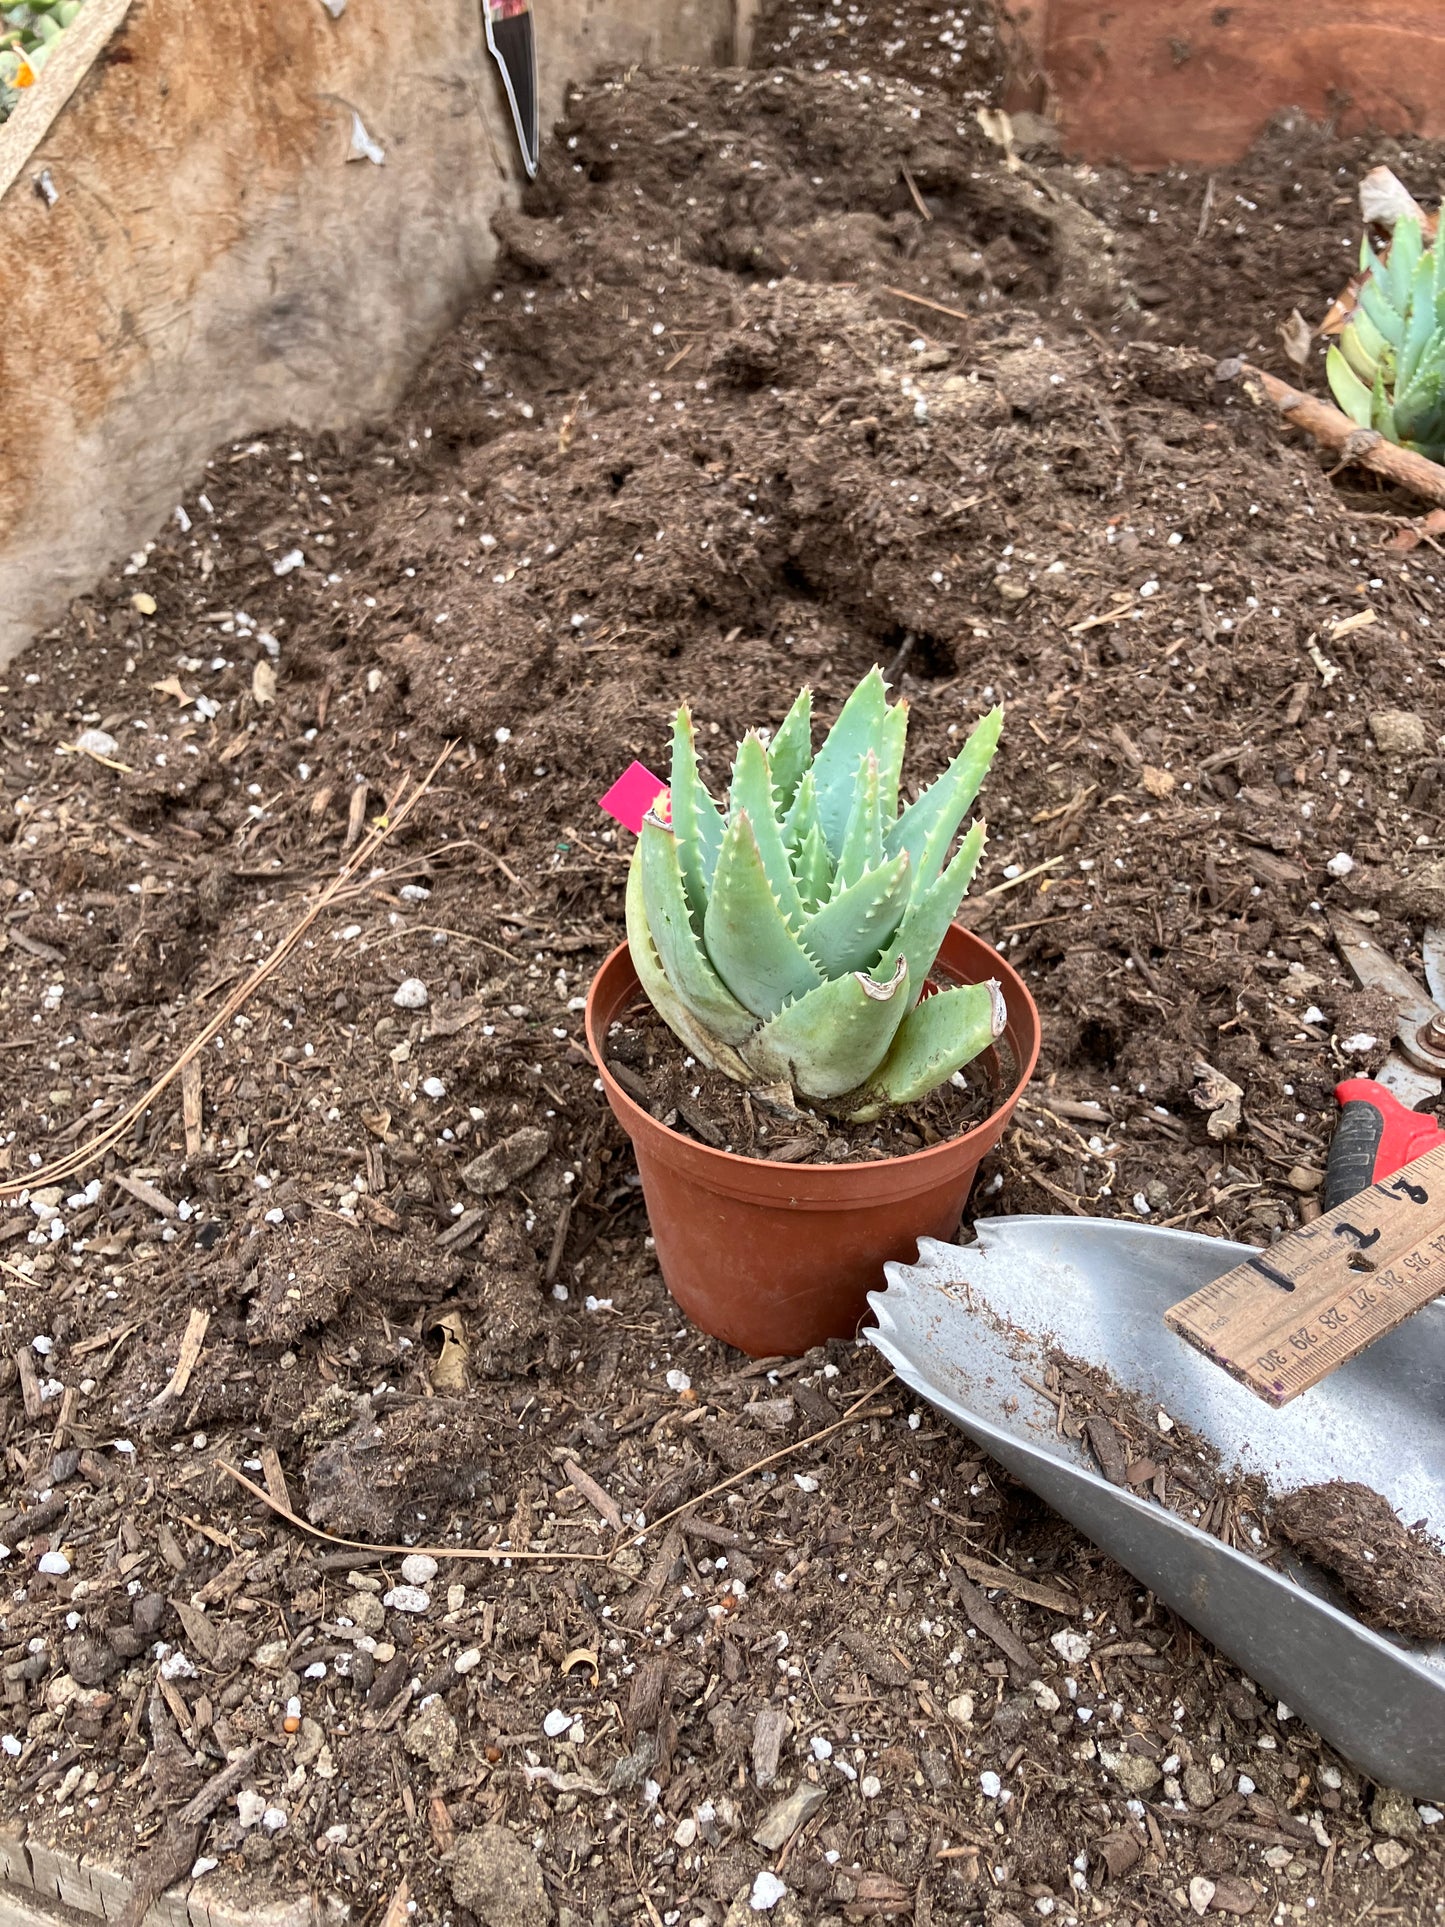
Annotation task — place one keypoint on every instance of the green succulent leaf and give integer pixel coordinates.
(926, 920)
(945, 803)
(688, 968)
(833, 1039)
(835, 767)
(802, 814)
(696, 821)
(1354, 346)
(814, 870)
(863, 837)
(891, 740)
(748, 937)
(852, 928)
(665, 1000)
(752, 796)
(1347, 388)
(938, 1037)
(791, 752)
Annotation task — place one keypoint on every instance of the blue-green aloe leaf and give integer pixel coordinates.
(752, 796)
(791, 750)
(863, 838)
(682, 955)
(696, 820)
(854, 925)
(832, 1040)
(835, 767)
(945, 803)
(930, 912)
(813, 867)
(802, 814)
(1347, 388)
(938, 1037)
(669, 1006)
(891, 740)
(748, 938)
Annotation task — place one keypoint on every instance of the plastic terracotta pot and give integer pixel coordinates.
(775, 1258)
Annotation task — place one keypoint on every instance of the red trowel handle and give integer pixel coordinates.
(1375, 1136)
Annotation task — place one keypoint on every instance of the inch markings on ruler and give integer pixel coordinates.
(1289, 1316)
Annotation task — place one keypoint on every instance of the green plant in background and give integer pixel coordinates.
(787, 939)
(1388, 371)
(28, 33)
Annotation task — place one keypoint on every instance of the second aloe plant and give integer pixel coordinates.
(787, 939)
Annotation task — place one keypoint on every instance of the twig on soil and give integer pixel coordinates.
(1364, 446)
(1013, 883)
(760, 1465)
(191, 1343)
(398, 810)
(922, 301)
(494, 1553)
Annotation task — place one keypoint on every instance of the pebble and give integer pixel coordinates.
(54, 1563)
(1201, 1892)
(1399, 732)
(433, 1087)
(418, 1568)
(960, 1709)
(464, 1662)
(507, 1160)
(274, 1819)
(556, 1723)
(365, 1612)
(767, 1891)
(1045, 1698)
(494, 1875)
(203, 1866)
(1392, 1813)
(411, 994)
(1073, 1648)
(870, 1786)
(990, 1785)
(250, 1805)
(782, 1821)
(431, 1735)
(97, 742)
(1134, 1773)
(406, 1599)
(1340, 865)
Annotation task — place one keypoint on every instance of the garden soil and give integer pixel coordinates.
(785, 372)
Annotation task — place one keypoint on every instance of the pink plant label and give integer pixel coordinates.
(633, 795)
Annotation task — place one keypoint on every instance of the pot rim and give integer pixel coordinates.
(1023, 1018)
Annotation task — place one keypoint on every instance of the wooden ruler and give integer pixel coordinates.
(1290, 1316)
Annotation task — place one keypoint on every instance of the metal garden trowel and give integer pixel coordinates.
(966, 1326)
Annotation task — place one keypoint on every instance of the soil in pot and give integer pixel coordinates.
(654, 1069)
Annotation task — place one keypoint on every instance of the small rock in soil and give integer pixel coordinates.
(432, 1736)
(1136, 1774)
(495, 1876)
(1399, 732)
(502, 1163)
(1393, 1813)
(1233, 1895)
(411, 994)
(769, 1731)
(782, 1821)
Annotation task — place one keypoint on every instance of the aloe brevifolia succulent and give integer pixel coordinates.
(1388, 371)
(787, 939)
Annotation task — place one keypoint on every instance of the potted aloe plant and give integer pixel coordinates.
(802, 942)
